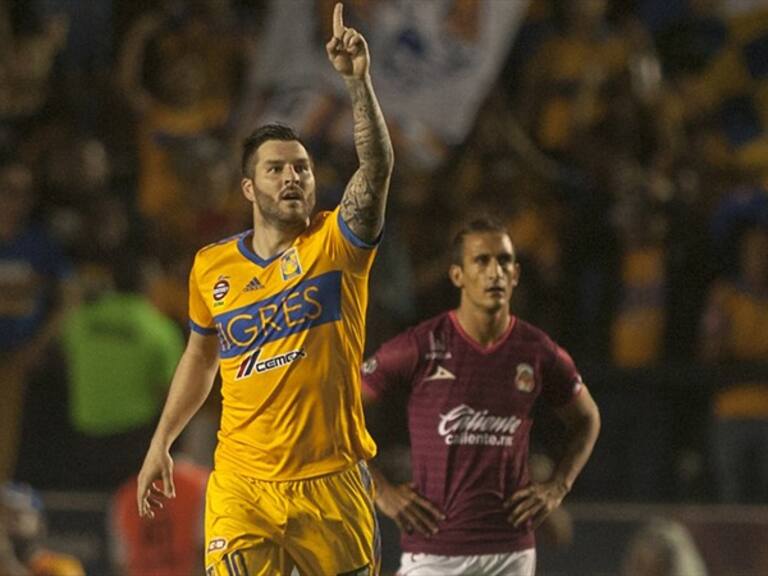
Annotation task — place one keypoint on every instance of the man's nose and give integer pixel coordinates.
(496, 270)
(290, 174)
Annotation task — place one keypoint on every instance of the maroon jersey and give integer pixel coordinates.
(469, 418)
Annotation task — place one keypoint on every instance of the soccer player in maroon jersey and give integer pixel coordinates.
(473, 376)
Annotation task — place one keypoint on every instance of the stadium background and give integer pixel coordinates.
(624, 142)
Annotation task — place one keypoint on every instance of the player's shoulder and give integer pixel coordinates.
(319, 224)
(320, 219)
(427, 331)
(440, 321)
(221, 248)
(224, 244)
(526, 332)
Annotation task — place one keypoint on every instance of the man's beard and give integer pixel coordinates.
(278, 216)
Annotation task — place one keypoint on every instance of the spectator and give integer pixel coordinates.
(120, 352)
(663, 548)
(182, 109)
(734, 330)
(637, 330)
(22, 515)
(28, 48)
(34, 292)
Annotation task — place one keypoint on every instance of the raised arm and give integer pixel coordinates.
(364, 201)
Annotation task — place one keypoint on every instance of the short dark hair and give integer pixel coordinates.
(476, 226)
(262, 134)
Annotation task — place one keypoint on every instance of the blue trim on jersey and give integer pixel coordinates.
(312, 302)
(349, 235)
(248, 252)
(201, 329)
(225, 240)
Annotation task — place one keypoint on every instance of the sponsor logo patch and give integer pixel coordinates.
(437, 349)
(252, 363)
(220, 290)
(441, 374)
(217, 544)
(524, 380)
(290, 266)
(254, 284)
(370, 365)
(464, 425)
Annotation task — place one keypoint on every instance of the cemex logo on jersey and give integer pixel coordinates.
(465, 425)
(252, 363)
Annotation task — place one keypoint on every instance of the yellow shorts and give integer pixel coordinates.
(323, 526)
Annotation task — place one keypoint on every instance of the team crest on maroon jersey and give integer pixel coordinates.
(524, 380)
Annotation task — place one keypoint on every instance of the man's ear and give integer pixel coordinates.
(516, 275)
(246, 186)
(456, 274)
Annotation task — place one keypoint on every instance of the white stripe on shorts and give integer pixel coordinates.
(521, 563)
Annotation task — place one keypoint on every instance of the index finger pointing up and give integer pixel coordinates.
(338, 20)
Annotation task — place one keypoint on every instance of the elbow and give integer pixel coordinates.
(382, 170)
(389, 158)
(594, 424)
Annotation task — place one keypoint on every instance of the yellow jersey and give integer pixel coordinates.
(291, 337)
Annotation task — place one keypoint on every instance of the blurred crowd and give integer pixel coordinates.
(625, 142)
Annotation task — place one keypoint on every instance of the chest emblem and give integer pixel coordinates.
(290, 266)
(441, 374)
(524, 380)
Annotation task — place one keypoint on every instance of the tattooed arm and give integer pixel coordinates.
(364, 201)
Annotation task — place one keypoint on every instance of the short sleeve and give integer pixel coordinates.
(200, 318)
(342, 245)
(392, 366)
(562, 381)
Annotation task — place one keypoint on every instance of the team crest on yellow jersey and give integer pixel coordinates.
(290, 266)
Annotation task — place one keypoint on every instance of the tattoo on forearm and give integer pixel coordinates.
(363, 204)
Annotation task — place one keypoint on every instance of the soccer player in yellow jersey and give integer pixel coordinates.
(280, 310)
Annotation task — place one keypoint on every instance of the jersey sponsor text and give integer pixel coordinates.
(465, 425)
